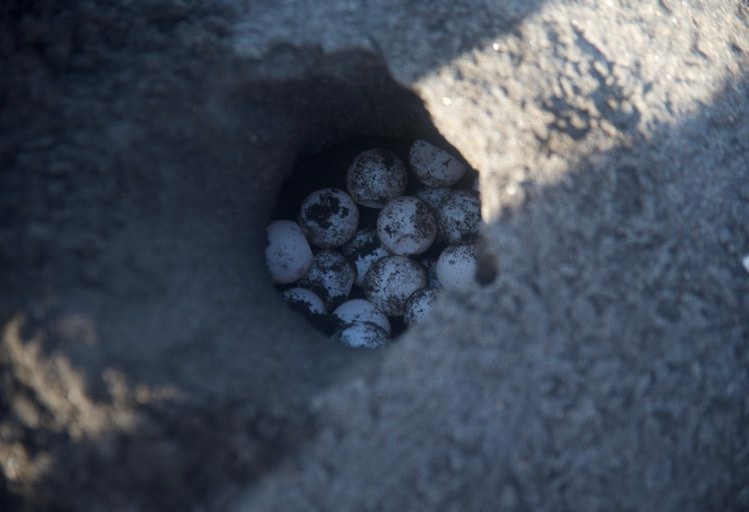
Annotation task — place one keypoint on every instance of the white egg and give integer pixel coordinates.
(407, 226)
(391, 281)
(288, 255)
(434, 167)
(456, 267)
(305, 301)
(363, 250)
(329, 218)
(432, 196)
(418, 305)
(331, 276)
(360, 310)
(375, 177)
(362, 335)
(459, 216)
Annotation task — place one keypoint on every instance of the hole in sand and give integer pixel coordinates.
(367, 232)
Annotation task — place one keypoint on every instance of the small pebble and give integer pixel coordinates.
(418, 305)
(407, 226)
(391, 281)
(459, 216)
(329, 218)
(375, 177)
(363, 250)
(456, 267)
(288, 255)
(331, 276)
(434, 167)
(305, 301)
(360, 310)
(362, 335)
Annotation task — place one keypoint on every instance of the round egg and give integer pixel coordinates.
(304, 301)
(459, 216)
(363, 250)
(418, 305)
(434, 167)
(361, 335)
(329, 218)
(288, 255)
(375, 177)
(432, 196)
(331, 276)
(456, 267)
(406, 226)
(391, 281)
(360, 310)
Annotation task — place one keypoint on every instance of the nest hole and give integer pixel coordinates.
(356, 109)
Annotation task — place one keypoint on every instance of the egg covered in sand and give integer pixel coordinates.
(407, 226)
(363, 250)
(433, 166)
(307, 302)
(360, 310)
(391, 281)
(329, 218)
(362, 335)
(376, 177)
(459, 216)
(418, 305)
(288, 255)
(456, 267)
(331, 276)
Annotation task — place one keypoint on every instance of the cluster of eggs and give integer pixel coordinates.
(352, 277)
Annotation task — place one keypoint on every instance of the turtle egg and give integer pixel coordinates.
(363, 250)
(361, 335)
(456, 267)
(418, 305)
(459, 216)
(330, 276)
(375, 177)
(432, 196)
(305, 301)
(434, 167)
(288, 255)
(391, 281)
(360, 310)
(407, 225)
(329, 218)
